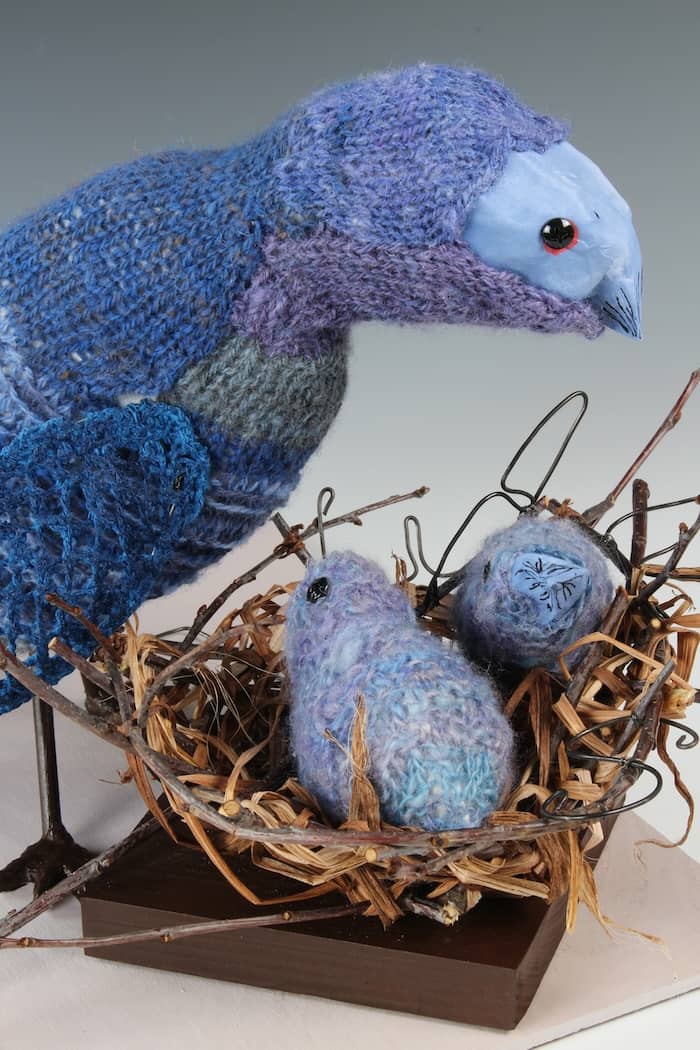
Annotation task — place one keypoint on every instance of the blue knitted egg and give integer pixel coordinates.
(440, 748)
(532, 590)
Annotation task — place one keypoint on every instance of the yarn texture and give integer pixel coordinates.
(441, 751)
(223, 282)
(532, 590)
(88, 512)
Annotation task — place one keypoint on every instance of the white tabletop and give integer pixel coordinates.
(56, 999)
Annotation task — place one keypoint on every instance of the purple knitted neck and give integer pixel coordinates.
(312, 286)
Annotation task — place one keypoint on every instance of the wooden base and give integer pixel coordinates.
(485, 970)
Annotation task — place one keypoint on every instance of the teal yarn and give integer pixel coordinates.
(89, 511)
(533, 589)
(441, 750)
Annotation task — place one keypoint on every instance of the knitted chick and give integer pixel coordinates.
(440, 749)
(224, 282)
(532, 590)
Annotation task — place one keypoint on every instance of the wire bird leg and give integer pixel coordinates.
(45, 862)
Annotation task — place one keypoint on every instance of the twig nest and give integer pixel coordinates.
(439, 750)
(532, 590)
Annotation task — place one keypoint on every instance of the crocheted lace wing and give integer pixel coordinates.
(89, 510)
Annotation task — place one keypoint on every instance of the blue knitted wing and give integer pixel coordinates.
(90, 510)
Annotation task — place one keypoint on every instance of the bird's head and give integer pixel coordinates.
(432, 194)
(342, 611)
(554, 218)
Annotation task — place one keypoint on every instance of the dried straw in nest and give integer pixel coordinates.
(210, 725)
(204, 718)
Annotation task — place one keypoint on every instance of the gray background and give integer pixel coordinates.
(84, 86)
(89, 85)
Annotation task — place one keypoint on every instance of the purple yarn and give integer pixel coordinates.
(400, 156)
(441, 750)
(225, 281)
(532, 590)
(309, 288)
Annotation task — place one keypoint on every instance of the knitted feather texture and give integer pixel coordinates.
(532, 590)
(224, 282)
(74, 520)
(441, 751)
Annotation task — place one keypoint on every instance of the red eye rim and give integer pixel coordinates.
(567, 247)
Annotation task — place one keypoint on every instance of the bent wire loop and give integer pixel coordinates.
(648, 510)
(552, 807)
(506, 492)
(321, 512)
(411, 519)
(688, 739)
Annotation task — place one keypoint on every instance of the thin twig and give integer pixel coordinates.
(87, 670)
(166, 934)
(685, 537)
(205, 612)
(14, 920)
(40, 688)
(353, 517)
(291, 535)
(690, 574)
(640, 719)
(640, 500)
(593, 515)
(126, 707)
(186, 661)
(77, 613)
(647, 738)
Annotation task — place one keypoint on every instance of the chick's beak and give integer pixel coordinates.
(618, 297)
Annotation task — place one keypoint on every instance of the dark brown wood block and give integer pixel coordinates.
(485, 970)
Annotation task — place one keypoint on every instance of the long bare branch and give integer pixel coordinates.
(593, 515)
(167, 934)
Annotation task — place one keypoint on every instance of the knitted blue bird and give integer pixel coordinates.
(223, 283)
(533, 589)
(440, 748)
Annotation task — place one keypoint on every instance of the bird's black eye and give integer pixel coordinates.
(487, 571)
(558, 235)
(318, 589)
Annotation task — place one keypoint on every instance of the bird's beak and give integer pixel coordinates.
(618, 297)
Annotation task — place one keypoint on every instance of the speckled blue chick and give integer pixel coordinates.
(441, 750)
(532, 590)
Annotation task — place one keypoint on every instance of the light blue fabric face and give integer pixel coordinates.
(604, 264)
(555, 585)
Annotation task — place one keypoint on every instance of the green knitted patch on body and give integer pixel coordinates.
(255, 396)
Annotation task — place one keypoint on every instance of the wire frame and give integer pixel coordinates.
(506, 492)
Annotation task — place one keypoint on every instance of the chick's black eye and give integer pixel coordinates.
(558, 235)
(318, 590)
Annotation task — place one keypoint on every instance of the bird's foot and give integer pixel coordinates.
(44, 863)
